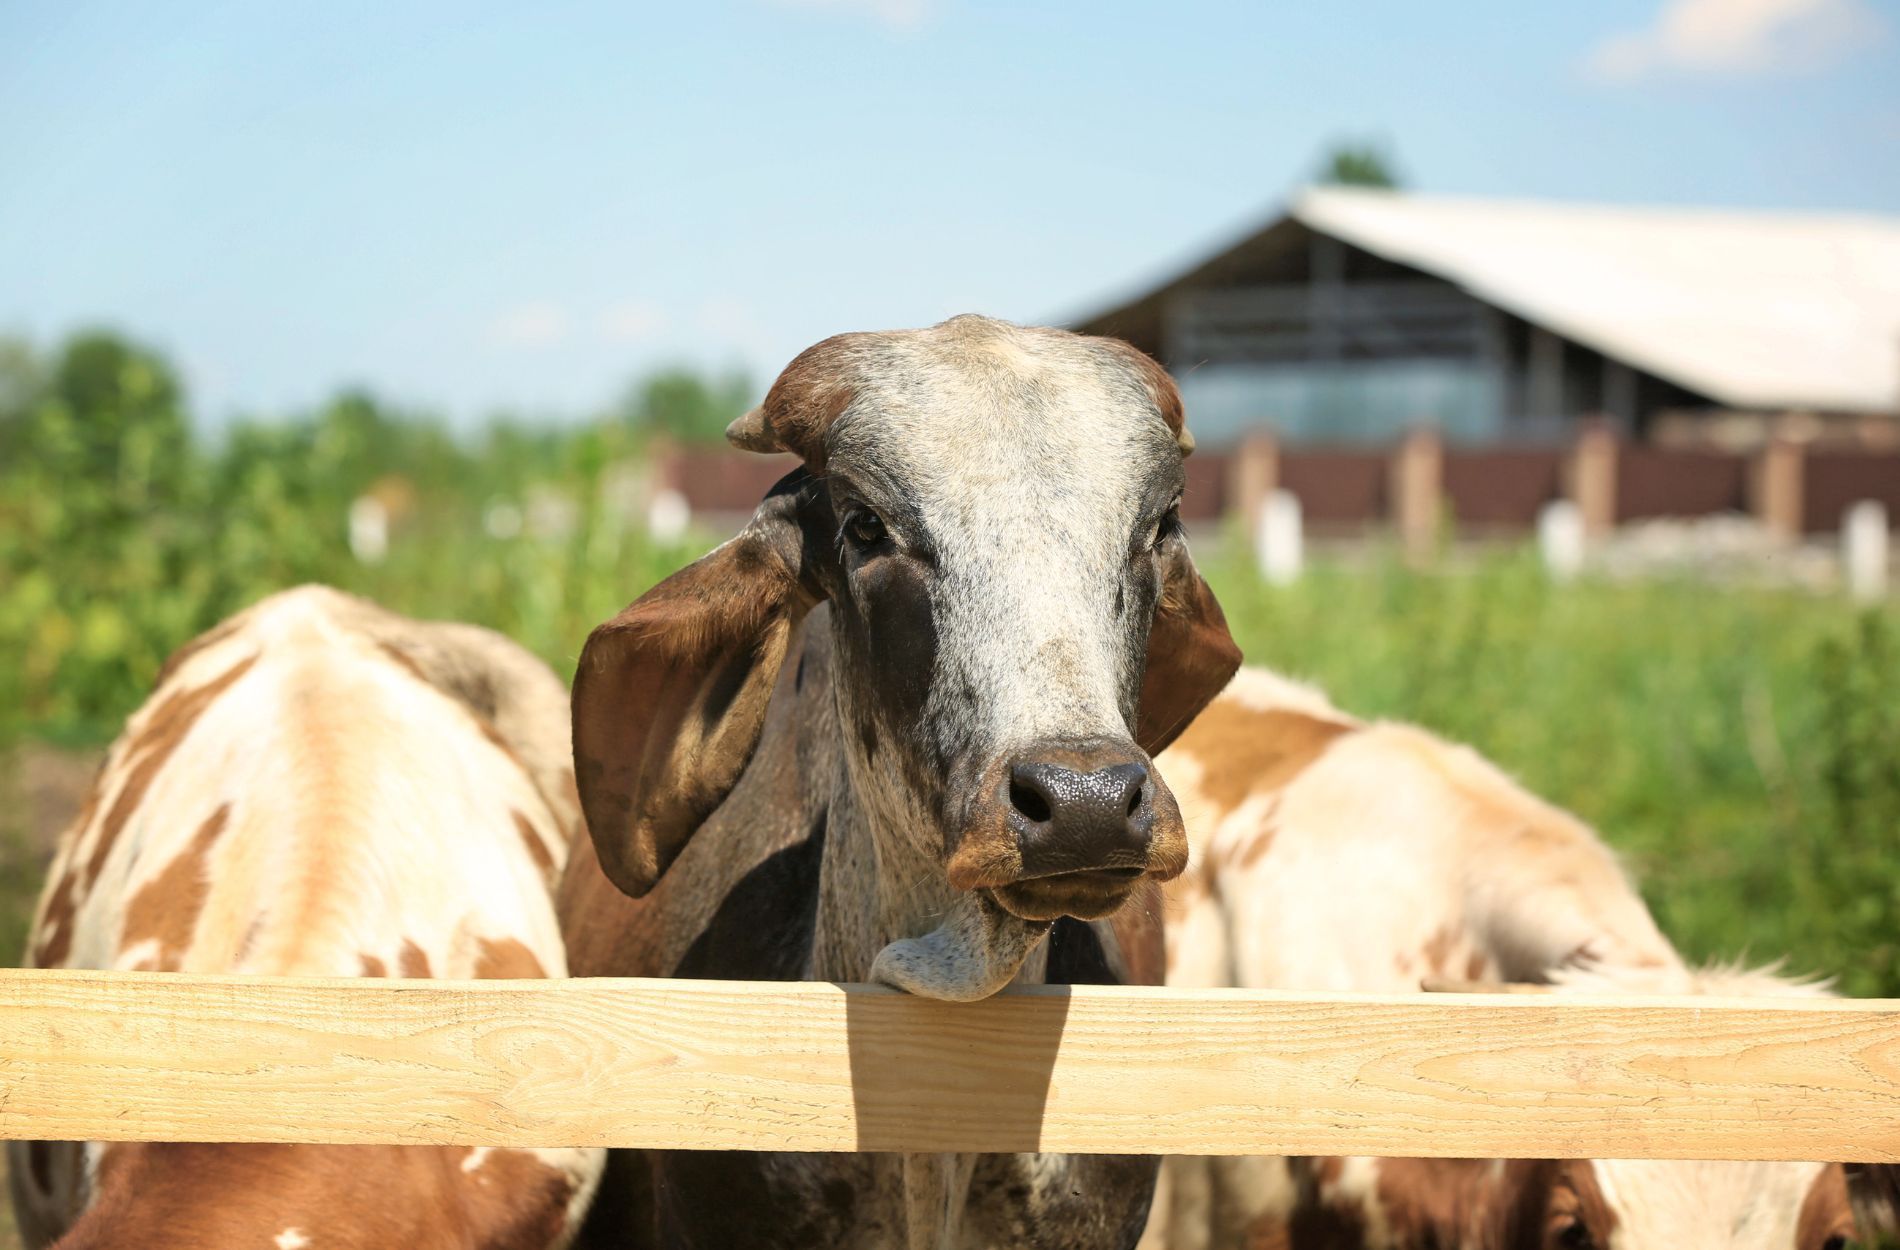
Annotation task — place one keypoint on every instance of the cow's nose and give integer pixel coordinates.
(1068, 820)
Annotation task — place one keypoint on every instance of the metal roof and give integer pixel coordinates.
(1754, 309)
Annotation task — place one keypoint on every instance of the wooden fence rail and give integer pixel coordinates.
(728, 1065)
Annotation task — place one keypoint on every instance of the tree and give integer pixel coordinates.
(21, 381)
(686, 404)
(97, 487)
(106, 424)
(1358, 165)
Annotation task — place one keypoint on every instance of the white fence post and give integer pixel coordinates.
(668, 515)
(369, 529)
(1864, 550)
(1560, 539)
(1281, 541)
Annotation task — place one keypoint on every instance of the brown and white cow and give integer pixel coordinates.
(1332, 854)
(1574, 1204)
(900, 730)
(318, 787)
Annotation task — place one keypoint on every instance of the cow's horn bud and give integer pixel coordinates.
(751, 433)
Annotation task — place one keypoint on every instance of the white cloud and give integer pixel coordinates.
(898, 15)
(537, 323)
(632, 321)
(1737, 37)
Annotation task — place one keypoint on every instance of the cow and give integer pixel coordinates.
(1581, 1204)
(1298, 811)
(900, 729)
(318, 787)
(1329, 854)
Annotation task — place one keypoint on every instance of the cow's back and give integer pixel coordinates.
(303, 794)
(1333, 854)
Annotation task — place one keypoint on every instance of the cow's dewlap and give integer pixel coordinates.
(976, 951)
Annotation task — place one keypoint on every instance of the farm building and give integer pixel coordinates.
(1417, 358)
(1357, 314)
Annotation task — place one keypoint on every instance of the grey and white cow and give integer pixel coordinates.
(901, 729)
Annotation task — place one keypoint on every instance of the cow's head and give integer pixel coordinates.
(991, 512)
(1639, 1203)
(1581, 1204)
(1629, 1204)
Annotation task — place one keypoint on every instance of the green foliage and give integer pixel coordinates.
(683, 404)
(1848, 874)
(1736, 746)
(1358, 165)
(20, 389)
(122, 537)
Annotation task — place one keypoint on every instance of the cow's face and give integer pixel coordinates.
(992, 513)
(1643, 1204)
(997, 515)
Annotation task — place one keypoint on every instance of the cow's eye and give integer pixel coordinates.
(1169, 525)
(1571, 1235)
(864, 528)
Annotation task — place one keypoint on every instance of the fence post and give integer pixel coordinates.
(369, 529)
(1417, 492)
(1280, 540)
(668, 515)
(1592, 478)
(668, 510)
(1777, 480)
(1864, 550)
(1252, 477)
(1560, 539)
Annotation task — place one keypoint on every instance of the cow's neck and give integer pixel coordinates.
(874, 888)
(877, 887)
(880, 884)
(872, 892)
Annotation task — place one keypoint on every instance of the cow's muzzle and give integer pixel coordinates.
(1066, 829)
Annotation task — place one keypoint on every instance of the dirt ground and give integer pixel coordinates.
(41, 790)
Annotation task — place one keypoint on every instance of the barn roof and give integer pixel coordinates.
(1754, 309)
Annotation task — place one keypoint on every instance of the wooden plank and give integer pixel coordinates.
(723, 1065)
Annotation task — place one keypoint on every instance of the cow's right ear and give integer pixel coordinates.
(670, 695)
(1874, 1191)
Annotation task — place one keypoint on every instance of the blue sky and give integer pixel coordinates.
(474, 206)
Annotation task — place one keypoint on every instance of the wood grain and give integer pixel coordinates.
(729, 1065)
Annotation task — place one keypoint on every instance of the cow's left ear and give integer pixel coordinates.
(670, 695)
(1191, 656)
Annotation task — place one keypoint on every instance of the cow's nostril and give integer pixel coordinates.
(1027, 801)
(1088, 820)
